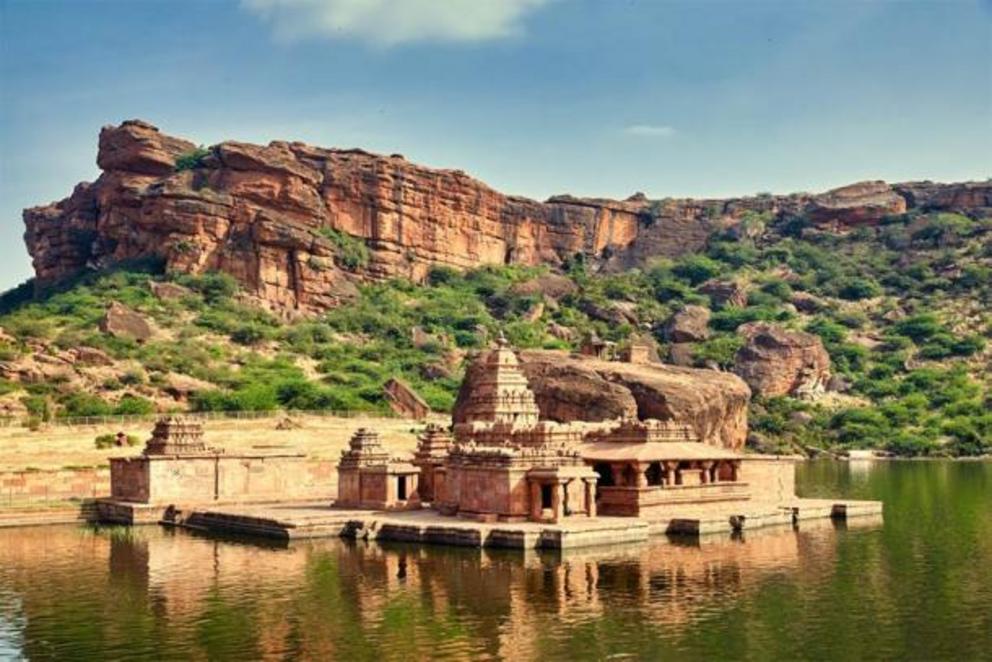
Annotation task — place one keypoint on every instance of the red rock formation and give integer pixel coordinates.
(864, 203)
(403, 400)
(690, 324)
(260, 212)
(774, 361)
(568, 387)
(122, 322)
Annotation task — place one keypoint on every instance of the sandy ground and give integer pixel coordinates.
(319, 437)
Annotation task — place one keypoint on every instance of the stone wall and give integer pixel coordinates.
(770, 478)
(18, 488)
(21, 488)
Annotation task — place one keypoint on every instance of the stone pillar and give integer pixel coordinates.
(642, 478)
(704, 472)
(557, 501)
(413, 487)
(590, 490)
(535, 500)
(392, 485)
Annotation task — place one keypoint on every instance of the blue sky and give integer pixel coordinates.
(535, 97)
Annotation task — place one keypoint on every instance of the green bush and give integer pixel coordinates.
(192, 159)
(37, 406)
(856, 288)
(134, 405)
(249, 334)
(920, 327)
(109, 440)
(352, 253)
(696, 269)
(83, 404)
(719, 349)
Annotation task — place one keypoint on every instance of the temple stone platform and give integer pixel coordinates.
(314, 520)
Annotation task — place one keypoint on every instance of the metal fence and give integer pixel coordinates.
(122, 420)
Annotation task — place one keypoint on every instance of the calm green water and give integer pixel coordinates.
(918, 586)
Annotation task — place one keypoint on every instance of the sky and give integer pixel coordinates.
(688, 98)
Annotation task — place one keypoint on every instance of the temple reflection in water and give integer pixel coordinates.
(325, 598)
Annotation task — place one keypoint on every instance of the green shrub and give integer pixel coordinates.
(696, 269)
(109, 440)
(719, 349)
(134, 405)
(215, 286)
(352, 252)
(249, 334)
(857, 288)
(919, 328)
(37, 406)
(442, 275)
(192, 159)
(83, 404)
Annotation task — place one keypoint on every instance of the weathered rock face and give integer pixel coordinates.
(260, 213)
(864, 203)
(122, 322)
(964, 196)
(774, 361)
(730, 293)
(569, 388)
(691, 324)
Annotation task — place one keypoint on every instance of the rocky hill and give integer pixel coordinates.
(855, 318)
(300, 226)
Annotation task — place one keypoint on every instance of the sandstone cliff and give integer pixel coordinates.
(262, 214)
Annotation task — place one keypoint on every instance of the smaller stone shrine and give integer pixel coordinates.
(178, 467)
(432, 451)
(173, 435)
(597, 348)
(369, 478)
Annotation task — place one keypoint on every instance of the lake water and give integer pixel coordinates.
(918, 586)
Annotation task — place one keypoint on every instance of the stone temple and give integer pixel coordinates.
(501, 476)
(504, 464)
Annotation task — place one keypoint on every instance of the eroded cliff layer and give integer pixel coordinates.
(264, 214)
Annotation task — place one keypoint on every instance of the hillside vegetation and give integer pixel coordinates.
(903, 310)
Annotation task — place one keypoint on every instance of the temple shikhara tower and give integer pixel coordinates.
(505, 463)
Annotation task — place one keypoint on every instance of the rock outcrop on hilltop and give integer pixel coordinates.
(275, 217)
(569, 387)
(775, 361)
(864, 203)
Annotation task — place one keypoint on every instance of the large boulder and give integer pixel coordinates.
(122, 322)
(138, 147)
(166, 291)
(691, 324)
(775, 361)
(864, 203)
(729, 293)
(578, 388)
(550, 285)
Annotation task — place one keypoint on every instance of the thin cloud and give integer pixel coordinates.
(649, 130)
(393, 22)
